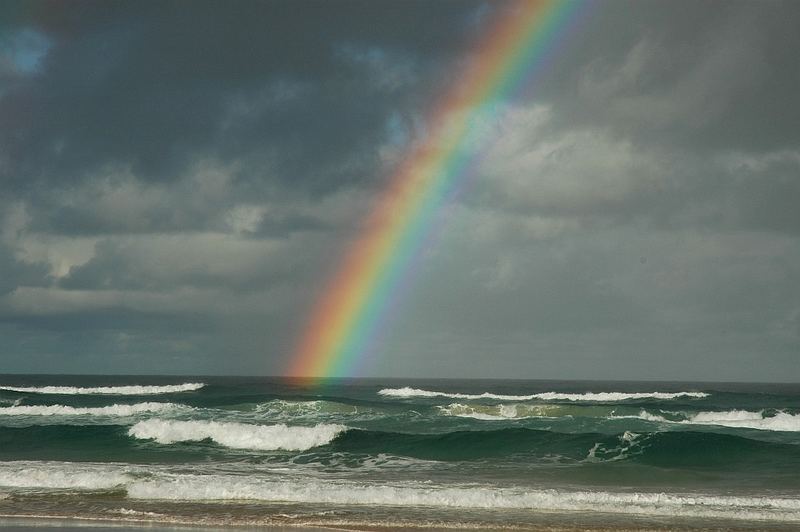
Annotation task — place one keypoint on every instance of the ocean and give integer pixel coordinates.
(401, 452)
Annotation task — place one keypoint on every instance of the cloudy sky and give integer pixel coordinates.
(178, 179)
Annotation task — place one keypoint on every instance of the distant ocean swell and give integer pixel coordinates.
(544, 396)
(120, 410)
(775, 420)
(761, 420)
(148, 483)
(106, 390)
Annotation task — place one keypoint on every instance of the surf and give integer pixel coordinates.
(236, 435)
(407, 392)
(115, 410)
(107, 390)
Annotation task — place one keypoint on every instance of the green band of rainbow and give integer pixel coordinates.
(349, 313)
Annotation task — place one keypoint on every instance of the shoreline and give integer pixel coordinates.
(34, 522)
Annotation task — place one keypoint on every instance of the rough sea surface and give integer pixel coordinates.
(401, 452)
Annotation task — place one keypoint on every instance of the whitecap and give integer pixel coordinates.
(781, 421)
(201, 487)
(159, 482)
(544, 396)
(111, 410)
(237, 435)
(107, 390)
(62, 475)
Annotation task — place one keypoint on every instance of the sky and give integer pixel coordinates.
(178, 180)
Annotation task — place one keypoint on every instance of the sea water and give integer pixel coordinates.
(458, 453)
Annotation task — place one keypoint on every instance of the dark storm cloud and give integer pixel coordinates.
(152, 85)
(180, 178)
(117, 266)
(14, 273)
(112, 319)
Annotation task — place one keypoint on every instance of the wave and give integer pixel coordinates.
(112, 410)
(62, 475)
(106, 390)
(545, 396)
(164, 483)
(532, 446)
(780, 421)
(200, 487)
(236, 435)
(505, 412)
(494, 412)
(280, 409)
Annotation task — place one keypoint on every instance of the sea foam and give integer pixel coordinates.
(201, 487)
(107, 390)
(112, 410)
(165, 483)
(544, 396)
(781, 421)
(237, 435)
(499, 412)
(62, 475)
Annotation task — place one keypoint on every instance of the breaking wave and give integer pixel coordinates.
(780, 421)
(237, 435)
(197, 487)
(158, 483)
(544, 396)
(112, 410)
(61, 475)
(521, 410)
(106, 390)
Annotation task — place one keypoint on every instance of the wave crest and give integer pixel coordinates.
(743, 419)
(107, 390)
(61, 475)
(544, 396)
(112, 410)
(237, 435)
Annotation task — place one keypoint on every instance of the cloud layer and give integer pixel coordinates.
(179, 183)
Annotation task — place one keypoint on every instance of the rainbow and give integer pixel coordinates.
(348, 315)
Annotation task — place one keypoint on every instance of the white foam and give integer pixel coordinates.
(161, 482)
(62, 475)
(781, 421)
(281, 410)
(497, 412)
(198, 487)
(545, 396)
(137, 513)
(107, 390)
(112, 410)
(237, 435)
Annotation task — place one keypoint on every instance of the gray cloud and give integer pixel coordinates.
(179, 182)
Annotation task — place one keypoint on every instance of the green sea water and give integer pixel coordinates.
(406, 452)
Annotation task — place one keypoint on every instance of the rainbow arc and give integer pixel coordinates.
(350, 312)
